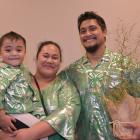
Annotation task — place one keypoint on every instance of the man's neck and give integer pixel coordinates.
(96, 57)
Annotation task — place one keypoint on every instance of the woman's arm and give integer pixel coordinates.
(40, 130)
(61, 120)
(64, 118)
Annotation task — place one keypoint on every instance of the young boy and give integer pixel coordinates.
(15, 92)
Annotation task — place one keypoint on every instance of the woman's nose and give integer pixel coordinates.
(49, 60)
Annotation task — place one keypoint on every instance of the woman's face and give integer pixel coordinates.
(48, 60)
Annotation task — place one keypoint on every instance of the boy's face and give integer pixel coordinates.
(13, 52)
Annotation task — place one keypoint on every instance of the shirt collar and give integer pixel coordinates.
(105, 58)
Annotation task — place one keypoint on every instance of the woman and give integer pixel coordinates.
(60, 99)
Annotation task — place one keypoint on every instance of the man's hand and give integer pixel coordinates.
(136, 131)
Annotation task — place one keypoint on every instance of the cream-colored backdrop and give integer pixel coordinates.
(39, 20)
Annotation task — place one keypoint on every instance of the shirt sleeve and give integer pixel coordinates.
(7, 75)
(64, 118)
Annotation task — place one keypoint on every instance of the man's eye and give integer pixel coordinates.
(82, 31)
(92, 28)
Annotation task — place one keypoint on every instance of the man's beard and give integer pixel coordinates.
(92, 49)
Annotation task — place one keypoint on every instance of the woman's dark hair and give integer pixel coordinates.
(91, 15)
(42, 44)
(12, 36)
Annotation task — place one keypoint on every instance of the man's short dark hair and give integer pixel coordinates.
(91, 15)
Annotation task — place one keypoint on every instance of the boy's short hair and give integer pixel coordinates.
(12, 36)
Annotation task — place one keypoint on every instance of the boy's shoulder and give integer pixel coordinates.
(8, 70)
(3, 65)
(8, 66)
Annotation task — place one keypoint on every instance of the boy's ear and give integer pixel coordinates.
(0, 56)
(1, 62)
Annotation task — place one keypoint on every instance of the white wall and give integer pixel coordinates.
(40, 20)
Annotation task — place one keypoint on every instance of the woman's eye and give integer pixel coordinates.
(55, 58)
(46, 56)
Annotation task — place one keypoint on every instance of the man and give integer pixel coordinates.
(86, 74)
(90, 76)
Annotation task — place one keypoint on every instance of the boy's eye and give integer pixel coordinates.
(7, 50)
(19, 50)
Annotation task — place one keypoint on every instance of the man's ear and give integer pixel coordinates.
(105, 31)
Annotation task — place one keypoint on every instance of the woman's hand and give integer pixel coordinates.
(5, 136)
(23, 134)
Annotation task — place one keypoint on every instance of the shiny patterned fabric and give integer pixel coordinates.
(60, 97)
(92, 83)
(15, 92)
(63, 107)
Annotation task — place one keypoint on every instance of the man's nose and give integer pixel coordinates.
(88, 32)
